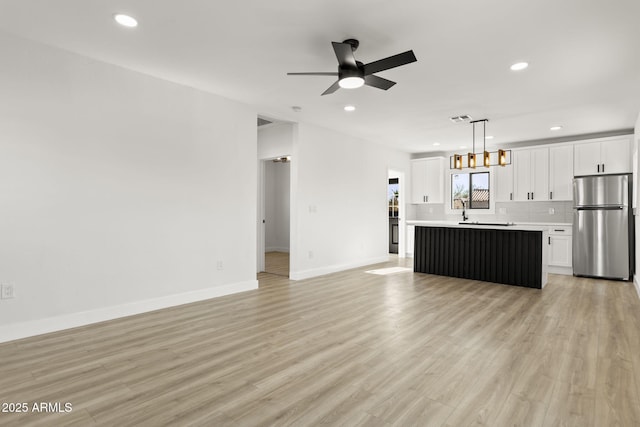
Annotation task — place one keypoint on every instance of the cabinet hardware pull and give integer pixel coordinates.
(598, 167)
(549, 239)
(510, 196)
(528, 196)
(559, 230)
(603, 168)
(532, 195)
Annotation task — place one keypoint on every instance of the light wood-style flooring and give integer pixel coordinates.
(352, 349)
(277, 263)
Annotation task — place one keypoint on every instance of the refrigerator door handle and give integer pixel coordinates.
(599, 208)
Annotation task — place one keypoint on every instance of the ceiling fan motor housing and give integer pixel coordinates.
(344, 73)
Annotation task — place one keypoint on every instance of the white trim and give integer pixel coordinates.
(567, 271)
(636, 285)
(320, 271)
(276, 249)
(52, 324)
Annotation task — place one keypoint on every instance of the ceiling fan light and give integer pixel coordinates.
(351, 82)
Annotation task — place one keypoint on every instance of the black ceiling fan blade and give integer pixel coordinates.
(313, 74)
(390, 62)
(378, 82)
(344, 53)
(334, 87)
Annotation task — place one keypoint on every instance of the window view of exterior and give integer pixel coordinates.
(392, 196)
(472, 189)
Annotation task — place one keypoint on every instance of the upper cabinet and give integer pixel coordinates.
(561, 172)
(504, 183)
(612, 155)
(531, 174)
(427, 179)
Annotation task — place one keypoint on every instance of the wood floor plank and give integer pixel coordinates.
(350, 348)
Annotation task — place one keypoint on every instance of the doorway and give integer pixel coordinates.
(395, 206)
(393, 194)
(276, 219)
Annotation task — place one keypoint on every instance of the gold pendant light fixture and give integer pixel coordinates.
(502, 157)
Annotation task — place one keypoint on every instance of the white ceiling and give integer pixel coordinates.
(584, 56)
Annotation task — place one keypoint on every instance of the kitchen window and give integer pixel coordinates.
(472, 189)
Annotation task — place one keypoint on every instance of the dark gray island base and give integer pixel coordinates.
(508, 256)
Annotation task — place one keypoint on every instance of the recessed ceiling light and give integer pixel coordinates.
(436, 143)
(519, 66)
(488, 137)
(555, 128)
(349, 108)
(125, 20)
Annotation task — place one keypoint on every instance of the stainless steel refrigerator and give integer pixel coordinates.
(603, 226)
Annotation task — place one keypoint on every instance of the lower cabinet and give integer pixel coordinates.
(560, 250)
(411, 230)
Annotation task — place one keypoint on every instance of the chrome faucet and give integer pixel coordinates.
(464, 214)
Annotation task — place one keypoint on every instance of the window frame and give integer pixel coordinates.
(449, 183)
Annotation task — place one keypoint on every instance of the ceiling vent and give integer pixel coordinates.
(460, 119)
(262, 122)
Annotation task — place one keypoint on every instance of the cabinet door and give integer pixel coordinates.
(560, 251)
(411, 229)
(539, 174)
(504, 183)
(586, 158)
(418, 181)
(434, 180)
(561, 173)
(615, 156)
(521, 175)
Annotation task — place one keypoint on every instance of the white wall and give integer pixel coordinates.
(339, 201)
(277, 194)
(119, 192)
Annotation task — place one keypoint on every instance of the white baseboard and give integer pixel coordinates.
(20, 330)
(276, 249)
(320, 271)
(636, 285)
(567, 271)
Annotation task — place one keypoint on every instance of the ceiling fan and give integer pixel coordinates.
(353, 74)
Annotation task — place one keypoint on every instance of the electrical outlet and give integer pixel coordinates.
(219, 265)
(310, 254)
(552, 211)
(7, 291)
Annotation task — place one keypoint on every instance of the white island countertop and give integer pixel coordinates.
(499, 225)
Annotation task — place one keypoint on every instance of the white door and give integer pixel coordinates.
(561, 173)
(540, 174)
(521, 175)
(587, 159)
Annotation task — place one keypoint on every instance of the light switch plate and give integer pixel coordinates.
(7, 291)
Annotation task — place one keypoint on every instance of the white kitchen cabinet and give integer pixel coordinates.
(427, 179)
(503, 182)
(531, 174)
(411, 229)
(561, 173)
(605, 156)
(560, 249)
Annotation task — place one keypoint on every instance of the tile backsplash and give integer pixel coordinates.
(562, 212)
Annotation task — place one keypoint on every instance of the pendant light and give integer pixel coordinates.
(503, 156)
(471, 157)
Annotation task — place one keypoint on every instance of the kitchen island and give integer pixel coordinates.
(504, 253)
